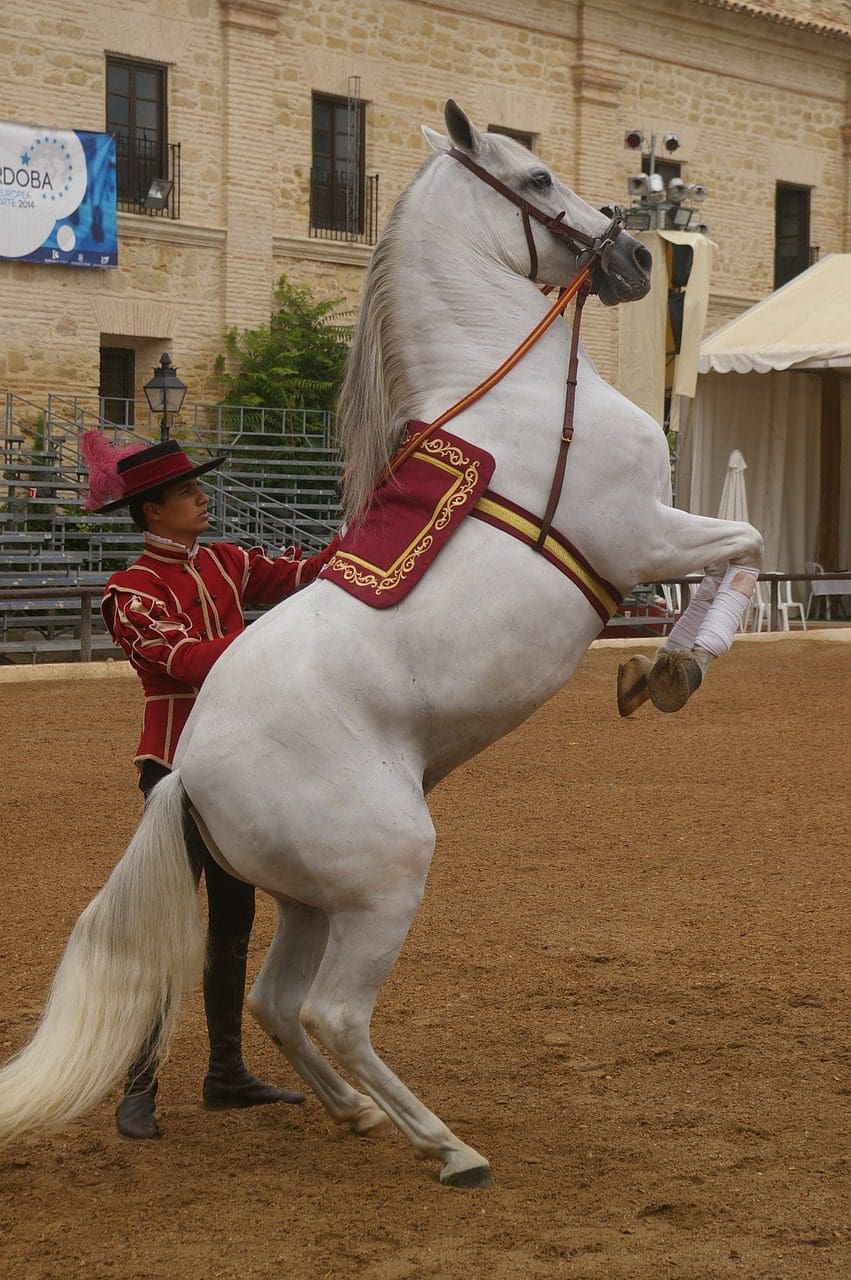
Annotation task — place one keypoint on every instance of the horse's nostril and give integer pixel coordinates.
(643, 258)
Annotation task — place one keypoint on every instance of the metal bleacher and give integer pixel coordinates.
(278, 487)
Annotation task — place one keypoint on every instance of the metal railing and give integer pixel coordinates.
(204, 423)
(279, 484)
(344, 205)
(85, 594)
(643, 600)
(138, 163)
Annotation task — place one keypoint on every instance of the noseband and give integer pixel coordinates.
(587, 248)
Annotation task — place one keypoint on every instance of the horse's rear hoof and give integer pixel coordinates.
(673, 679)
(469, 1179)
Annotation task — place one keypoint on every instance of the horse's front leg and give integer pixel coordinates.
(730, 552)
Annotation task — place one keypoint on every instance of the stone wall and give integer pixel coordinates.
(753, 103)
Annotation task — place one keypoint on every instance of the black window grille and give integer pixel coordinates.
(791, 232)
(147, 167)
(519, 135)
(343, 200)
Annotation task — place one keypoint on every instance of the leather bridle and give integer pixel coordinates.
(586, 247)
(592, 252)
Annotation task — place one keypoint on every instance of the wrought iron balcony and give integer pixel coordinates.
(344, 205)
(139, 164)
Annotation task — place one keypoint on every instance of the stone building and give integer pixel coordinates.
(288, 128)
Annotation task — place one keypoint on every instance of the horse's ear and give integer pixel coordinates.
(435, 140)
(462, 131)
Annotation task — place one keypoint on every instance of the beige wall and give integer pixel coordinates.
(753, 103)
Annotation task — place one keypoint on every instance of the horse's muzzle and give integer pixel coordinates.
(624, 276)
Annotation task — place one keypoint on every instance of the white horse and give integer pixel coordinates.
(317, 735)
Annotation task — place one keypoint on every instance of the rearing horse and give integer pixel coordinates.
(317, 735)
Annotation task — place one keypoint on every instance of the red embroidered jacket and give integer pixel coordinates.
(174, 611)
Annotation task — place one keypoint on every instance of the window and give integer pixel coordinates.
(519, 135)
(136, 115)
(791, 232)
(668, 169)
(116, 388)
(337, 178)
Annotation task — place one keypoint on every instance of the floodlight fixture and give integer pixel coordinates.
(638, 219)
(633, 139)
(670, 142)
(677, 190)
(638, 185)
(679, 217)
(158, 193)
(696, 192)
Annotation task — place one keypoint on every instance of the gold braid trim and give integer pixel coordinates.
(450, 458)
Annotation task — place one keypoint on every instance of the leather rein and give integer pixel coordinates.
(591, 252)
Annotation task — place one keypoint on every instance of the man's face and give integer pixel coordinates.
(182, 514)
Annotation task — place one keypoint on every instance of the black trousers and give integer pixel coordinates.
(230, 902)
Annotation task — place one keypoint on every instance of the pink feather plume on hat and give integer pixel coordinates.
(105, 484)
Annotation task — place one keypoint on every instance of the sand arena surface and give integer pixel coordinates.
(627, 987)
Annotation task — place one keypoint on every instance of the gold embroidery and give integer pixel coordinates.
(448, 457)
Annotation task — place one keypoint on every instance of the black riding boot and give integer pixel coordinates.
(134, 1115)
(228, 1083)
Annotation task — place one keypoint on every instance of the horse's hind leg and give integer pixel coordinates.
(363, 944)
(275, 1001)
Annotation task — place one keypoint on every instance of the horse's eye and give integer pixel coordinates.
(541, 180)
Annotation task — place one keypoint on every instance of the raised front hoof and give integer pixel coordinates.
(474, 1179)
(633, 689)
(673, 679)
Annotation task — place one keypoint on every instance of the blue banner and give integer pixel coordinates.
(57, 196)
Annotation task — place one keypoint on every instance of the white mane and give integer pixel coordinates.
(375, 400)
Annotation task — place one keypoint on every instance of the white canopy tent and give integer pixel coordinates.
(776, 384)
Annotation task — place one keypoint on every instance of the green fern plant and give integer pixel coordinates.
(296, 361)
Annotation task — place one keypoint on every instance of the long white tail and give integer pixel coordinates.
(133, 952)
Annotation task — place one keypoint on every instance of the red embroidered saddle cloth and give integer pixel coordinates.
(412, 517)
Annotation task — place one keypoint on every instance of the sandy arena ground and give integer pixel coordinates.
(627, 987)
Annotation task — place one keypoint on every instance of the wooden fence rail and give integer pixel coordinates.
(87, 593)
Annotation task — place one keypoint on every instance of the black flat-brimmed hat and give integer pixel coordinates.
(127, 475)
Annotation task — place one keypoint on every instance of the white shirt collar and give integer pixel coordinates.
(167, 544)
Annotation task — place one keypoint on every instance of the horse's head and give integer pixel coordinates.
(535, 224)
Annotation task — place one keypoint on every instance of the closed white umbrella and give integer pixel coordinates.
(734, 495)
(734, 506)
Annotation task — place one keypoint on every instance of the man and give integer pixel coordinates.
(173, 612)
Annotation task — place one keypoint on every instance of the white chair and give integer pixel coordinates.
(786, 605)
(672, 594)
(761, 605)
(813, 566)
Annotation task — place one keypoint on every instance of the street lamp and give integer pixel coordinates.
(165, 392)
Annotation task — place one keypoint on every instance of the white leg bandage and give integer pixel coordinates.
(721, 623)
(684, 631)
